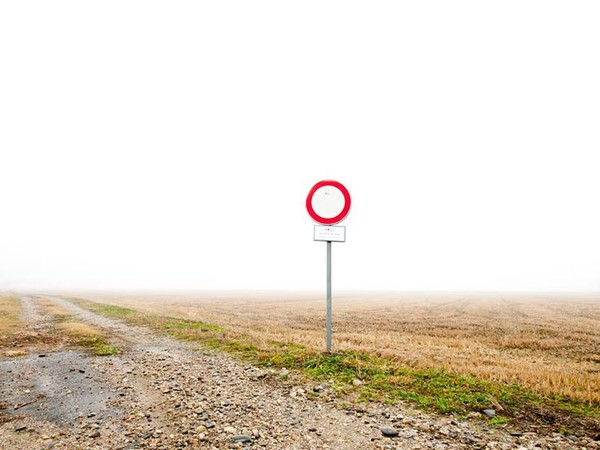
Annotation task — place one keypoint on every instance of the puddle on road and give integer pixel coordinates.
(58, 387)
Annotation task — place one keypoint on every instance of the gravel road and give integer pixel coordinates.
(164, 394)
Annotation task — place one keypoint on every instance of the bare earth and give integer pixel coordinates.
(163, 394)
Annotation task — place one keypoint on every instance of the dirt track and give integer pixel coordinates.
(164, 394)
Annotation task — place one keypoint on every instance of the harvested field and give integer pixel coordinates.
(549, 344)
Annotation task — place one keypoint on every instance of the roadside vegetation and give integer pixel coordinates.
(74, 332)
(88, 337)
(10, 325)
(63, 329)
(549, 345)
(361, 376)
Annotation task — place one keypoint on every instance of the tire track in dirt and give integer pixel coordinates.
(30, 313)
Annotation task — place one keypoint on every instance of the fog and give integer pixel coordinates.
(152, 145)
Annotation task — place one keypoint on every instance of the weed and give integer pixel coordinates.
(97, 345)
(499, 420)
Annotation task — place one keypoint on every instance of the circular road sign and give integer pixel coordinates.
(328, 202)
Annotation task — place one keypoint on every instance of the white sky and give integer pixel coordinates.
(148, 144)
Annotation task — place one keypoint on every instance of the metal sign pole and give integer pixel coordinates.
(328, 319)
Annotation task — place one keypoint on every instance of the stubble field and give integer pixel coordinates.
(547, 344)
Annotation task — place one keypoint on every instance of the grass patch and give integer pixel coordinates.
(383, 380)
(10, 308)
(433, 389)
(112, 311)
(47, 307)
(97, 345)
(88, 337)
(499, 420)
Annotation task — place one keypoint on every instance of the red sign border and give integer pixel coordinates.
(331, 220)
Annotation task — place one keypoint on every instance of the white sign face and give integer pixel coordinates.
(329, 233)
(328, 201)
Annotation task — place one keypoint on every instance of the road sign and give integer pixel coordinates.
(331, 234)
(328, 202)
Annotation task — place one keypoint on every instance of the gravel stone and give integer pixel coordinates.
(389, 431)
(243, 438)
(489, 412)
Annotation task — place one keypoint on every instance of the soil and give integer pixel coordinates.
(159, 393)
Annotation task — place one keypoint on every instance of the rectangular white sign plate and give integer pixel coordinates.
(329, 233)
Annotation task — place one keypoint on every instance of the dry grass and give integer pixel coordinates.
(74, 332)
(48, 307)
(16, 339)
(88, 336)
(550, 345)
(78, 329)
(10, 308)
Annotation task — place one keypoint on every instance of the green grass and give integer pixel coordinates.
(383, 380)
(96, 344)
(433, 389)
(499, 420)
